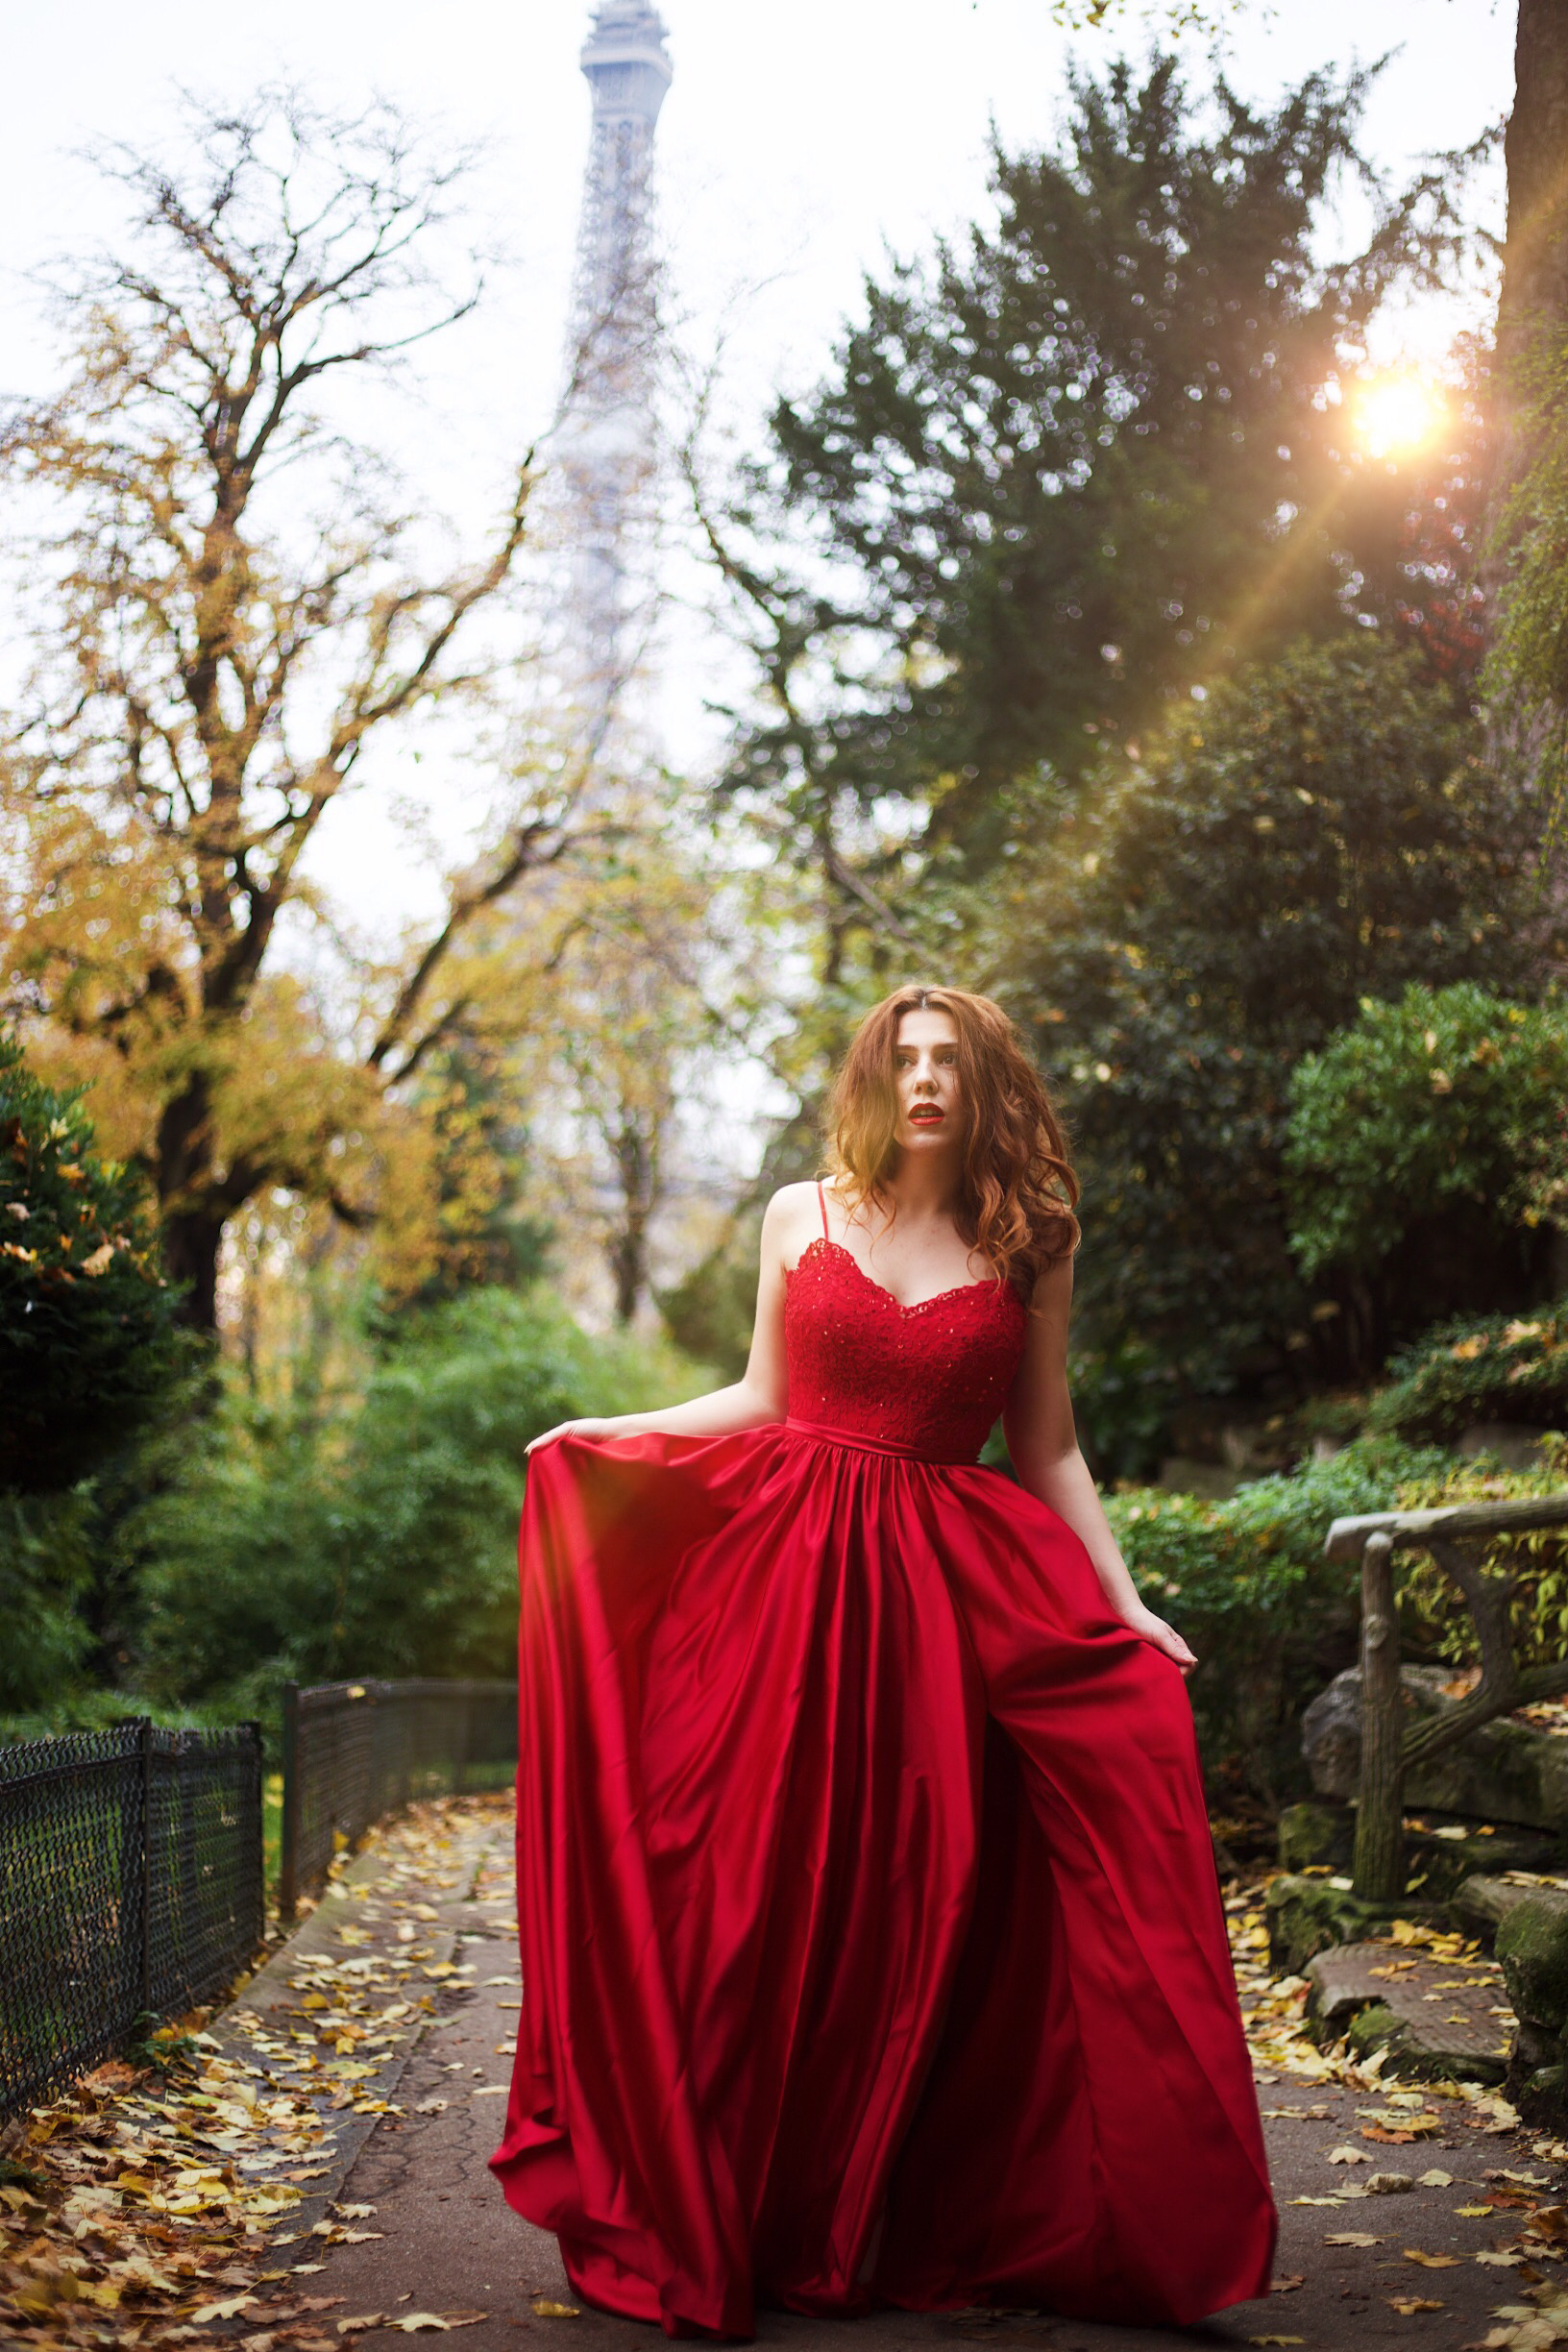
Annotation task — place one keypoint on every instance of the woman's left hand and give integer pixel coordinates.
(1161, 1636)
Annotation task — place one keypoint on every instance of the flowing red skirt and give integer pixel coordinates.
(872, 1945)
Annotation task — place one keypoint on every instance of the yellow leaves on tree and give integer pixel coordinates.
(225, 614)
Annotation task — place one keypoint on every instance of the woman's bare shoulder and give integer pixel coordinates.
(792, 1202)
(792, 1218)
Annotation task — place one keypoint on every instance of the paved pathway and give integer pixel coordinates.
(448, 2246)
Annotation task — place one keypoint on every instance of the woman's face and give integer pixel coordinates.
(925, 1073)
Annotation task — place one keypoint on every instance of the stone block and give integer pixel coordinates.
(1542, 2096)
(1532, 1945)
(1480, 1904)
(1436, 2028)
(1445, 1853)
(1516, 1444)
(1506, 1772)
(1341, 1980)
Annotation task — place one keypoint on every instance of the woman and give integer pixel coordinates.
(870, 1941)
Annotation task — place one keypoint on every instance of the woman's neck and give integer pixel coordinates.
(924, 1185)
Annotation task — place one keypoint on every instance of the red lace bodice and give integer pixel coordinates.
(928, 1380)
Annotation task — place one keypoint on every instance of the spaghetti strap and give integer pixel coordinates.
(821, 1203)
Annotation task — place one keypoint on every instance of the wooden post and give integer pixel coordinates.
(1378, 1871)
(288, 1853)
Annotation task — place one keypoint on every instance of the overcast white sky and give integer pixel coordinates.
(799, 136)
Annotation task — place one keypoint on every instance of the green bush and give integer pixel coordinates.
(1497, 1368)
(1447, 1105)
(379, 1539)
(88, 1350)
(1246, 1582)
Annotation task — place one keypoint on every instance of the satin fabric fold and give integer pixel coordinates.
(871, 1940)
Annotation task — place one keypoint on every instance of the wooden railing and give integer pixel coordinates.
(1457, 1538)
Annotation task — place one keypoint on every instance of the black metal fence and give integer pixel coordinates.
(132, 1884)
(355, 1752)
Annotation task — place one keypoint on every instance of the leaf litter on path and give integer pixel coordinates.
(147, 2205)
(1286, 2056)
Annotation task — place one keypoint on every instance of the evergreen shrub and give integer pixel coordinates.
(89, 1348)
(1504, 1367)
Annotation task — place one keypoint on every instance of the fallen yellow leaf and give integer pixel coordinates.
(1354, 2238)
(1431, 2262)
(545, 2309)
(414, 2323)
(1407, 2306)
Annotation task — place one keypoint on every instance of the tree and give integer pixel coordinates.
(1318, 832)
(1527, 671)
(482, 1143)
(87, 1346)
(212, 669)
(628, 1020)
(1535, 292)
(1532, 308)
(1088, 457)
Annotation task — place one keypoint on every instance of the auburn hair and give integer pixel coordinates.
(1016, 1206)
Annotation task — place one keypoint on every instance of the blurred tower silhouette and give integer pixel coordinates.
(609, 458)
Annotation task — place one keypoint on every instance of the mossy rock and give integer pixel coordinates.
(1314, 1832)
(1309, 1915)
(1532, 1945)
(1542, 2097)
(1370, 2028)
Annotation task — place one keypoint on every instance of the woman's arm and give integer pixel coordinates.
(1043, 1444)
(762, 1393)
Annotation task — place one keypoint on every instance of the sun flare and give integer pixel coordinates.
(1396, 415)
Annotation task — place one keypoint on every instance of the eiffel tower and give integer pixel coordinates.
(609, 457)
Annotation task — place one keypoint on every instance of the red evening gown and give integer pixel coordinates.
(872, 1945)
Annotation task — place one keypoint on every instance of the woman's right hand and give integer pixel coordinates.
(569, 1429)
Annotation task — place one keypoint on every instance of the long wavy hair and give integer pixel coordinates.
(1019, 1191)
